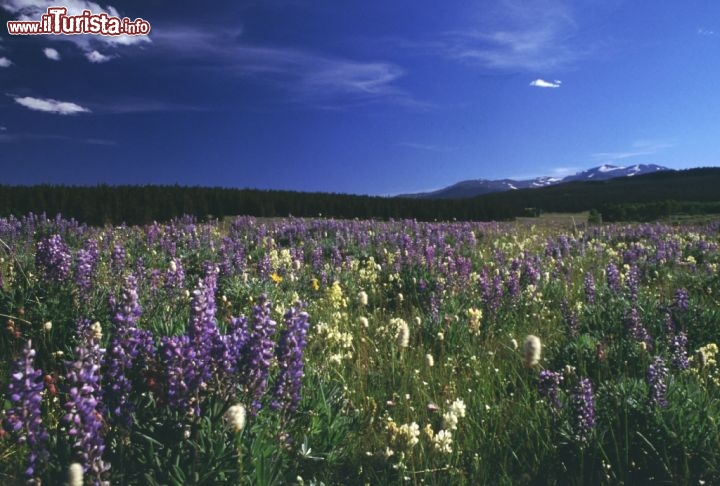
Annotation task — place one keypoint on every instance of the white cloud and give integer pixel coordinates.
(705, 32)
(96, 57)
(2, 128)
(51, 106)
(51, 53)
(541, 83)
(5, 62)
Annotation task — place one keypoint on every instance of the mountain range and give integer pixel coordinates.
(477, 187)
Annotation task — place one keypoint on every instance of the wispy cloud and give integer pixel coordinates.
(638, 148)
(96, 58)
(5, 62)
(705, 31)
(426, 147)
(523, 35)
(49, 105)
(130, 106)
(510, 35)
(307, 76)
(51, 53)
(23, 137)
(541, 83)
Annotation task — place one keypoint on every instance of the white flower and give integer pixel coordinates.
(96, 331)
(450, 420)
(411, 433)
(363, 297)
(235, 417)
(403, 333)
(47, 326)
(75, 474)
(532, 350)
(429, 360)
(458, 408)
(443, 441)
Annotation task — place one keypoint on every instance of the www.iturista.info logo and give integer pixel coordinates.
(56, 21)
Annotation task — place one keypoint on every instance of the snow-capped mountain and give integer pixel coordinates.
(605, 172)
(478, 187)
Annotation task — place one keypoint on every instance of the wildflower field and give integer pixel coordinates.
(313, 351)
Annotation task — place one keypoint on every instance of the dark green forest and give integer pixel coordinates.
(641, 198)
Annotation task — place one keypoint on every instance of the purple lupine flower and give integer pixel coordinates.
(289, 354)
(84, 408)
(259, 352)
(175, 275)
(678, 344)
(203, 331)
(636, 329)
(657, 379)
(336, 257)
(117, 258)
(203, 308)
(182, 374)
(139, 267)
(633, 281)
(225, 253)
(612, 274)
(152, 233)
(531, 270)
(583, 406)
(264, 266)
(513, 284)
(129, 347)
(317, 258)
(669, 324)
(235, 341)
(24, 418)
(549, 387)
(589, 288)
(86, 263)
(570, 316)
(53, 258)
(682, 300)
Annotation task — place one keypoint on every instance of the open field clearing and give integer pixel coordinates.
(316, 351)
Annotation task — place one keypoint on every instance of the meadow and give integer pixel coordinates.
(321, 351)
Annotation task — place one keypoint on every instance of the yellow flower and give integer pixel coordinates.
(315, 284)
(276, 278)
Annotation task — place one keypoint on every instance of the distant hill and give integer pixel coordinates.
(478, 187)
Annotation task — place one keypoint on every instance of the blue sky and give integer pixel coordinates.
(360, 96)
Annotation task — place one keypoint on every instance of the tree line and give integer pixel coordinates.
(694, 191)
